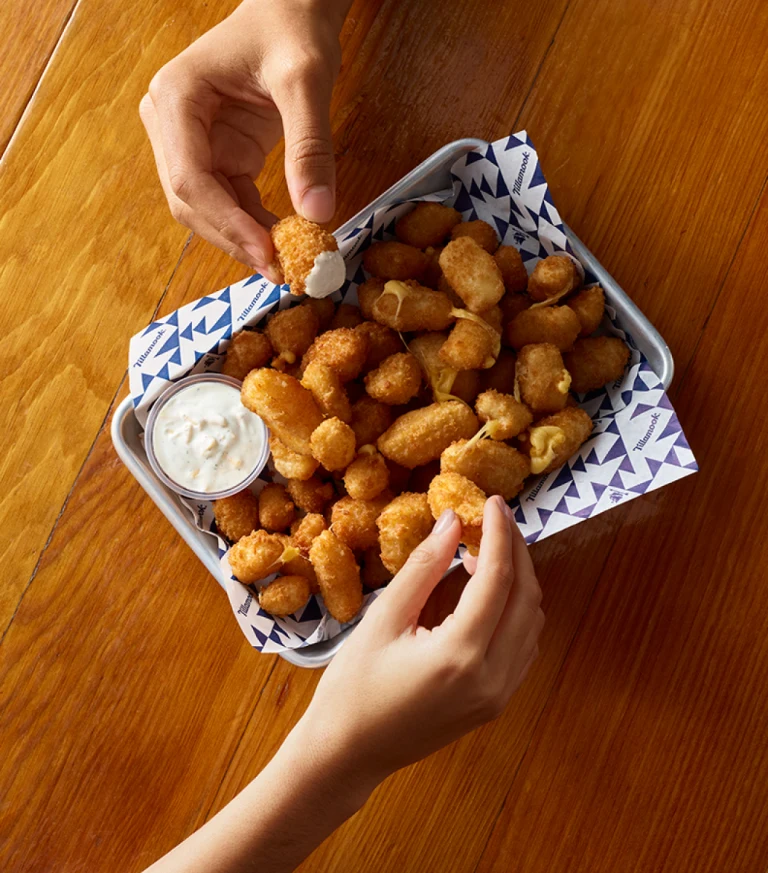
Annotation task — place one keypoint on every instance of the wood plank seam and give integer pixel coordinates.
(20, 120)
(99, 432)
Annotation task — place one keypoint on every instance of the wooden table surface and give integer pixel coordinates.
(131, 708)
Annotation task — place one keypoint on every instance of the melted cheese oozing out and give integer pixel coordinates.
(326, 276)
(545, 441)
(399, 290)
(205, 440)
(495, 335)
(565, 382)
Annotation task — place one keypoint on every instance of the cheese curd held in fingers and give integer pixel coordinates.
(453, 491)
(403, 525)
(308, 257)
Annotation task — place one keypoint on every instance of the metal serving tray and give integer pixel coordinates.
(431, 175)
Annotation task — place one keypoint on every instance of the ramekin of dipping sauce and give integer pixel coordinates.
(201, 441)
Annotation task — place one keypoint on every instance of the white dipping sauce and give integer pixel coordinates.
(205, 440)
(326, 276)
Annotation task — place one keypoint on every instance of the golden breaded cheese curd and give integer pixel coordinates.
(311, 495)
(236, 516)
(298, 243)
(504, 417)
(513, 271)
(427, 224)
(558, 325)
(394, 260)
(354, 521)
(285, 595)
(542, 378)
(367, 476)
(555, 438)
(374, 573)
(466, 385)
(403, 525)
(501, 376)
(480, 231)
(494, 467)
(382, 342)
(596, 361)
(343, 350)
(369, 420)
(408, 306)
(248, 350)
(553, 277)
(472, 273)
(328, 390)
(305, 529)
(367, 294)
(473, 343)
(255, 556)
(454, 491)
(589, 306)
(276, 509)
(421, 436)
(346, 315)
(338, 576)
(293, 331)
(333, 444)
(290, 464)
(396, 380)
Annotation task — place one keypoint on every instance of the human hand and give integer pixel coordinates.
(396, 691)
(215, 111)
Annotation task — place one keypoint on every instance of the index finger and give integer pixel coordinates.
(483, 600)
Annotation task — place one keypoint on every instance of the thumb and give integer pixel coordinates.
(310, 167)
(405, 596)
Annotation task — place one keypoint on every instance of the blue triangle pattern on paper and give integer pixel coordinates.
(200, 326)
(260, 637)
(626, 396)
(146, 381)
(203, 301)
(562, 506)
(163, 373)
(473, 157)
(564, 477)
(617, 450)
(463, 200)
(187, 333)
(501, 187)
(544, 515)
(501, 226)
(490, 155)
(617, 481)
(641, 487)
(538, 177)
(598, 489)
(578, 465)
(256, 277)
(512, 142)
(664, 402)
(474, 191)
(673, 427)
(312, 611)
(152, 326)
(626, 465)
(171, 343)
(640, 409)
(484, 186)
(519, 515)
(682, 442)
(654, 466)
(224, 297)
(672, 458)
(613, 427)
(573, 491)
(591, 458)
(175, 358)
(173, 318)
(274, 635)
(224, 321)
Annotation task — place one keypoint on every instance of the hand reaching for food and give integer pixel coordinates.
(215, 111)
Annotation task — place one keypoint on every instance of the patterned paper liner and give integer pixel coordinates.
(637, 445)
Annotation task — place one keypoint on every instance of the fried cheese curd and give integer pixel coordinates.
(285, 595)
(513, 272)
(368, 475)
(433, 274)
(289, 464)
(480, 231)
(333, 444)
(453, 491)
(285, 406)
(595, 361)
(512, 305)
(276, 509)
(408, 306)
(294, 563)
(354, 521)
(396, 380)
(553, 277)
(373, 571)
(346, 315)
(382, 342)
(445, 286)
(420, 436)
(324, 309)
(542, 378)
(310, 495)
(236, 516)
(558, 325)
(293, 331)
(472, 273)
(502, 415)
(298, 243)
(338, 576)
(501, 376)
(328, 390)
(394, 260)
(343, 350)
(473, 343)
(255, 556)
(589, 306)
(304, 530)
(466, 386)
(494, 467)
(427, 224)
(555, 438)
(248, 350)
(367, 294)
(403, 525)
(369, 420)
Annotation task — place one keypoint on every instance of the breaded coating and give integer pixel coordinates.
(553, 277)
(369, 420)
(236, 516)
(403, 525)
(472, 273)
(494, 467)
(595, 361)
(558, 325)
(248, 350)
(542, 377)
(501, 376)
(421, 477)
(276, 509)
(374, 573)
(255, 556)
(408, 306)
(456, 492)
(512, 305)
(285, 406)
(290, 464)
(311, 495)
(394, 260)
(333, 444)
(347, 315)
(367, 293)
(293, 331)
(382, 342)
(480, 231)
(466, 385)
(298, 565)
(367, 476)
(290, 369)
(396, 380)
(421, 436)
(328, 390)
(432, 275)
(428, 224)
(426, 349)
(445, 287)
(354, 521)
(503, 416)
(343, 350)
(555, 438)
(399, 477)
(304, 530)
(285, 595)
(337, 575)
(472, 345)
(513, 271)
(297, 243)
(323, 308)
(589, 306)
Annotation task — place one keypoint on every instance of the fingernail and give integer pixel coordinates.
(444, 522)
(317, 204)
